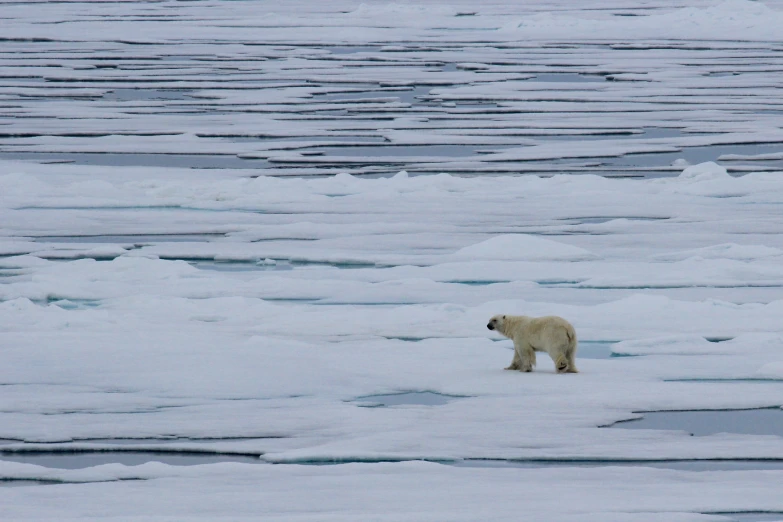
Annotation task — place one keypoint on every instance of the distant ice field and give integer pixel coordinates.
(248, 254)
(373, 88)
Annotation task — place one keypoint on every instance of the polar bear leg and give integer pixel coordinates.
(561, 363)
(527, 356)
(515, 362)
(571, 355)
(564, 361)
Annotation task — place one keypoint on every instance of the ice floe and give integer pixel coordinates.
(247, 256)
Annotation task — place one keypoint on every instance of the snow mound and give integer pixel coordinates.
(704, 172)
(773, 370)
(521, 247)
(401, 9)
(667, 345)
(723, 251)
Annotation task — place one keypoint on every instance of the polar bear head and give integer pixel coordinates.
(496, 323)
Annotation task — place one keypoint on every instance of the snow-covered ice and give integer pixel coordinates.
(354, 288)
(320, 341)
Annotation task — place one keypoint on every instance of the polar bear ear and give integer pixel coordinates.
(504, 317)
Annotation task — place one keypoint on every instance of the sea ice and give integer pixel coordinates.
(224, 230)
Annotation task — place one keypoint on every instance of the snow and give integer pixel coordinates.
(133, 341)
(343, 238)
(741, 18)
(384, 492)
(520, 247)
(773, 370)
(725, 251)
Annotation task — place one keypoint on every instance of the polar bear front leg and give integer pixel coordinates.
(526, 354)
(514, 362)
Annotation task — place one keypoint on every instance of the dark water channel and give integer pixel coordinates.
(116, 159)
(88, 459)
(416, 398)
(763, 421)
(428, 152)
(752, 516)
(695, 155)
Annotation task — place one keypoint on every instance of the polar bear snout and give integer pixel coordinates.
(490, 326)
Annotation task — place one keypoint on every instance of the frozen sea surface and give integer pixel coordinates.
(247, 256)
(545, 87)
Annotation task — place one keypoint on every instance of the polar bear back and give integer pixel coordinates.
(542, 333)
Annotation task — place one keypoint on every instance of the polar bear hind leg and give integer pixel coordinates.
(561, 363)
(571, 363)
(564, 356)
(571, 350)
(565, 364)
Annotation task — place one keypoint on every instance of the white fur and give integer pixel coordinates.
(551, 334)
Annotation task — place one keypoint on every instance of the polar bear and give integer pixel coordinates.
(550, 334)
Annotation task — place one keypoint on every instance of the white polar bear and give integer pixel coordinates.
(550, 334)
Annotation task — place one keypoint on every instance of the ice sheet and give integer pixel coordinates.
(224, 230)
(134, 85)
(271, 362)
(384, 492)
